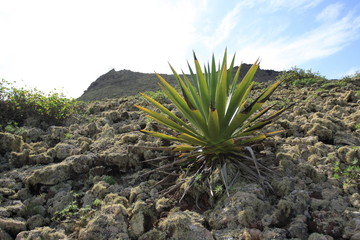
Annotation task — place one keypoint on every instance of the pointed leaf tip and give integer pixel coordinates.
(195, 58)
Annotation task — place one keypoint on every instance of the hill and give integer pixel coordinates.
(127, 83)
(89, 178)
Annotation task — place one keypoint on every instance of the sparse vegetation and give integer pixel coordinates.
(19, 104)
(109, 179)
(340, 83)
(347, 173)
(351, 77)
(11, 127)
(157, 95)
(96, 203)
(68, 212)
(68, 136)
(218, 190)
(300, 77)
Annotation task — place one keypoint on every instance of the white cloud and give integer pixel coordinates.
(250, 15)
(276, 5)
(352, 71)
(330, 13)
(271, 39)
(225, 28)
(320, 42)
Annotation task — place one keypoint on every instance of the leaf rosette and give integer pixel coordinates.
(218, 120)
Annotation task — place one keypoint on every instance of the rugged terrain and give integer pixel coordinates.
(128, 83)
(87, 179)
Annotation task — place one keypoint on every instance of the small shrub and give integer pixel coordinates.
(157, 95)
(109, 179)
(96, 203)
(68, 212)
(356, 75)
(348, 173)
(341, 83)
(68, 136)
(86, 214)
(305, 81)
(351, 77)
(20, 104)
(218, 190)
(300, 77)
(11, 127)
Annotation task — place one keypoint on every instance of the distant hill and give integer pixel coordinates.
(126, 83)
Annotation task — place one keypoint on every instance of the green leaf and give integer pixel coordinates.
(192, 140)
(181, 104)
(241, 88)
(213, 81)
(183, 147)
(203, 88)
(163, 109)
(240, 118)
(165, 136)
(167, 122)
(188, 96)
(222, 90)
(213, 126)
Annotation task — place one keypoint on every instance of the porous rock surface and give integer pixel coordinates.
(85, 180)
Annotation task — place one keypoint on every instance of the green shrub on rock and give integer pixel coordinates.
(300, 77)
(19, 105)
(354, 76)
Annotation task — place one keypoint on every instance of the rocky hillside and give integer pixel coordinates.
(87, 180)
(128, 83)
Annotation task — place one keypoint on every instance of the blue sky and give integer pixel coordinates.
(67, 44)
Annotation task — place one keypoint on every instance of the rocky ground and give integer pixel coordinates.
(86, 180)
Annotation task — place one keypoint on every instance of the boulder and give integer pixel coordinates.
(57, 132)
(12, 226)
(51, 174)
(32, 134)
(318, 236)
(240, 209)
(62, 151)
(142, 218)
(185, 225)
(4, 235)
(82, 163)
(110, 223)
(273, 234)
(120, 159)
(59, 202)
(10, 143)
(153, 234)
(42, 233)
(36, 221)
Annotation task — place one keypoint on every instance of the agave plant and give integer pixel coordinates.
(218, 121)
